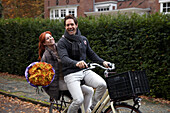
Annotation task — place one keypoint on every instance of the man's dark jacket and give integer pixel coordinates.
(74, 48)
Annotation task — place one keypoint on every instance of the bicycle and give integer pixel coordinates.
(121, 87)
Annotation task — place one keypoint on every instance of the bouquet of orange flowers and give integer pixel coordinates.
(39, 74)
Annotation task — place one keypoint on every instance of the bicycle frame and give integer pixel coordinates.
(102, 103)
(105, 99)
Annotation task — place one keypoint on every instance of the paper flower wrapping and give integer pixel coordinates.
(39, 74)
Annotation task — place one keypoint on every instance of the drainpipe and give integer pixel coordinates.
(93, 5)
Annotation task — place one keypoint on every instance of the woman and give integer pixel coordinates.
(48, 54)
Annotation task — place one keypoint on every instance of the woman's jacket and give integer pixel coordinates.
(52, 58)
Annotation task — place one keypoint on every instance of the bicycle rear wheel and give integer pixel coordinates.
(123, 108)
(52, 108)
(60, 105)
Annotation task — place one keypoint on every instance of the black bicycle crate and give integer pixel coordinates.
(126, 85)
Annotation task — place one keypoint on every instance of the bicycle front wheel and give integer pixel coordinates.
(122, 108)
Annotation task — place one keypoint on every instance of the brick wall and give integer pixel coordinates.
(87, 5)
(46, 11)
(84, 6)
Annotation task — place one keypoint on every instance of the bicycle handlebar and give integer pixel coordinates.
(94, 65)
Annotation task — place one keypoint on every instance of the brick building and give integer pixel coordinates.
(57, 9)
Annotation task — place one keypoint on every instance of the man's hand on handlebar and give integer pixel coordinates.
(107, 64)
(82, 64)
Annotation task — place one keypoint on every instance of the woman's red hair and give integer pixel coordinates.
(41, 46)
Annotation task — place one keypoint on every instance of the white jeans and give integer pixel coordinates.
(87, 93)
(91, 79)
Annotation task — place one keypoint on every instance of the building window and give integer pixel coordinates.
(103, 9)
(60, 13)
(48, 3)
(165, 6)
(56, 13)
(56, 2)
(105, 6)
(71, 11)
(63, 13)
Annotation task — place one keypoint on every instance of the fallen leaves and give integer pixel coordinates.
(12, 76)
(156, 100)
(9, 104)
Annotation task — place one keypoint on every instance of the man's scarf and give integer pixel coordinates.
(76, 41)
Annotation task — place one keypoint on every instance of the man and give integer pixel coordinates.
(73, 48)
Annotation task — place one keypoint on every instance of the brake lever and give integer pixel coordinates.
(110, 65)
(113, 66)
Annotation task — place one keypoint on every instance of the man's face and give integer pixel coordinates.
(71, 26)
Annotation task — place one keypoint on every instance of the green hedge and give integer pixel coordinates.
(132, 43)
(19, 42)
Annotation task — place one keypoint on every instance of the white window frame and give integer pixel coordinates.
(51, 13)
(60, 10)
(103, 5)
(161, 6)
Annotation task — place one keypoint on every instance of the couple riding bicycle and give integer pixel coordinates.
(72, 49)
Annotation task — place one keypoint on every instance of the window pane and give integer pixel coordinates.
(71, 11)
(168, 10)
(168, 4)
(164, 9)
(164, 4)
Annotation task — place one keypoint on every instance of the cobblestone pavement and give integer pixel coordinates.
(22, 89)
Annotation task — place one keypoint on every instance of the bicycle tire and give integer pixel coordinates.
(53, 107)
(60, 104)
(123, 108)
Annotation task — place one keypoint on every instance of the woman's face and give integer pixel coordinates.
(71, 27)
(49, 40)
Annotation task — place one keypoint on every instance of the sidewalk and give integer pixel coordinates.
(16, 86)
